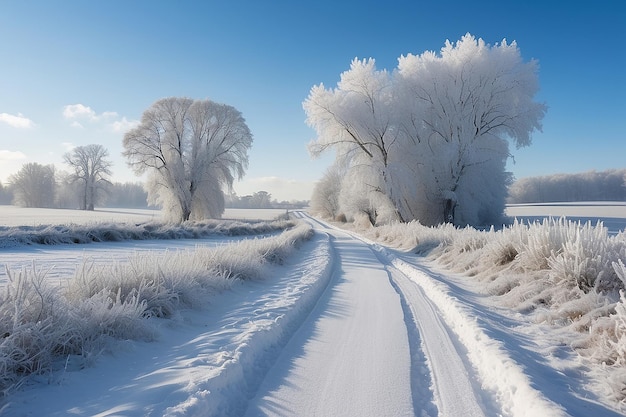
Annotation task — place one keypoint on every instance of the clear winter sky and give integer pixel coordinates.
(80, 72)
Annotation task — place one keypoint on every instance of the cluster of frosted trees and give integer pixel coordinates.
(36, 185)
(428, 141)
(607, 185)
(192, 150)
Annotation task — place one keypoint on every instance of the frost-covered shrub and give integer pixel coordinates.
(26, 326)
(606, 344)
(38, 325)
(41, 325)
(106, 315)
(586, 259)
(612, 330)
(539, 241)
(114, 232)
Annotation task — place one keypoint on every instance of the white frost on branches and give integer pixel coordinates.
(435, 132)
(192, 150)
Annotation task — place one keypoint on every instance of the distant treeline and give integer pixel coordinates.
(62, 194)
(261, 200)
(587, 186)
(128, 195)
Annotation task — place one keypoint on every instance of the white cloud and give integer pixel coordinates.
(79, 114)
(72, 111)
(124, 125)
(6, 155)
(80, 111)
(18, 121)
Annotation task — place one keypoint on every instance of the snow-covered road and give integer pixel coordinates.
(377, 344)
(351, 356)
(345, 328)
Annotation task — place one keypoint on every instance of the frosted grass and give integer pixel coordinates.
(45, 327)
(12, 236)
(566, 274)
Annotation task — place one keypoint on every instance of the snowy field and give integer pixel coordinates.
(612, 214)
(60, 261)
(18, 216)
(338, 325)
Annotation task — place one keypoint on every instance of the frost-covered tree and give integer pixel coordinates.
(325, 196)
(356, 119)
(5, 195)
(91, 171)
(436, 131)
(34, 185)
(461, 108)
(191, 150)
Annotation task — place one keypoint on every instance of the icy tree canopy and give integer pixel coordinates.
(192, 150)
(429, 141)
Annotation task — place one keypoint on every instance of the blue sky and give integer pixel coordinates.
(79, 72)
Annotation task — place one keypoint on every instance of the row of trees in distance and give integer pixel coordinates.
(88, 184)
(50, 188)
(84, 185)
(37, 185)
(609, 185)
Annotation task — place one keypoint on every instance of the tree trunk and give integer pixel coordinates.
(83, 204)
(186, 213)
(448, 211)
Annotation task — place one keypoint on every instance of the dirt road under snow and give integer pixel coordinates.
(376, 344)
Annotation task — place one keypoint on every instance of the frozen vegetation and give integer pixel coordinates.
(534, 315)
(116, 232)
(41, 324)
(564, 274)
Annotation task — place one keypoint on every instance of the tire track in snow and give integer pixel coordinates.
(453, 388)
(440, 381)
(351, 357)
(257, 341)
(498, 372)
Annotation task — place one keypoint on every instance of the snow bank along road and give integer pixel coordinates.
(348, 328)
